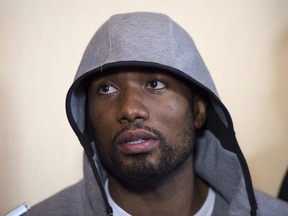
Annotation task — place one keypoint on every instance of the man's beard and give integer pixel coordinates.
(142, 172)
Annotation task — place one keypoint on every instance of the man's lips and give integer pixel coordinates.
(136, 141)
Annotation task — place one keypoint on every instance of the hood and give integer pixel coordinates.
(150, 40)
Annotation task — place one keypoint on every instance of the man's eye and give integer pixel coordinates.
(155, 84)
(107, 89)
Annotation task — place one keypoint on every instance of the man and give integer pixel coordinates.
(157, 138)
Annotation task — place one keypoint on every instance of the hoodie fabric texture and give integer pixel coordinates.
(153, 40)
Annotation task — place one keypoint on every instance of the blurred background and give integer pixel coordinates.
(245, 47)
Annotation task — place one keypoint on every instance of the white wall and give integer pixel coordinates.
(244, 44)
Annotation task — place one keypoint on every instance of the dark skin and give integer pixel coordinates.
(122, 105)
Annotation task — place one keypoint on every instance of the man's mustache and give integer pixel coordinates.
(135, 126)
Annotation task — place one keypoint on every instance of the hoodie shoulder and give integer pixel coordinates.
(268, 205)
(69, 201)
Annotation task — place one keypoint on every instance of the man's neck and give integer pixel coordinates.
(182, 193)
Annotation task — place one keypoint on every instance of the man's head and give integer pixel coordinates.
(148, 44)
(144, 122)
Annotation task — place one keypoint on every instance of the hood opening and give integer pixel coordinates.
(218, 120)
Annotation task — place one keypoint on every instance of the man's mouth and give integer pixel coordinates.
(136, 141)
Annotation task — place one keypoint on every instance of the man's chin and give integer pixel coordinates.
(140, 181)
(141, 173)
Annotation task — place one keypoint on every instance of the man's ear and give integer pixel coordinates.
(199, 110)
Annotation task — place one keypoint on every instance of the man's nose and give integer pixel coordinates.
(132, 107)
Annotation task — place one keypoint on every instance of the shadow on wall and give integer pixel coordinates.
(275, 157)
(282, 69)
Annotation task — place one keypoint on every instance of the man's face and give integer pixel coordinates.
(143, 123)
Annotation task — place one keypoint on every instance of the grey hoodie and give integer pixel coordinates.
(155, 41)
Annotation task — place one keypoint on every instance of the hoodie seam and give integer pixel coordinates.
(172, 39)
(109, 39)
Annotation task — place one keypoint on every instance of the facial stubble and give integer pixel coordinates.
(144, 173)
